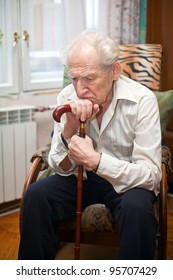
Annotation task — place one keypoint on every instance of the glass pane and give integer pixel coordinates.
(8, 50)
(47, 26)
(45, 22)
(44, 33)
(5, 50)
(92, 14)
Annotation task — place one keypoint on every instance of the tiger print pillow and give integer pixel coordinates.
(142, 63)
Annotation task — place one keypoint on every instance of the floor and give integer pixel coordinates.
(9, 241)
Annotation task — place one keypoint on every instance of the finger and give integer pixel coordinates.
(75, 109)
(96, 109)
(86, 109)
(84, 113)
(89, 110)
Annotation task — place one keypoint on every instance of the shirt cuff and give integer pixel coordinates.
(95, 170)
(65, 141)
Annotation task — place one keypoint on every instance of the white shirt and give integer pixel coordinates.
(129, 138)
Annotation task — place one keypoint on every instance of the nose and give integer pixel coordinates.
(81, 88)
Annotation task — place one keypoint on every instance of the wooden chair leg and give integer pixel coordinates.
(162, 250)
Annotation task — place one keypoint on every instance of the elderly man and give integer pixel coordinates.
(121, 154)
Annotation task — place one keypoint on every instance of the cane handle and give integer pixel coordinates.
(60, 110)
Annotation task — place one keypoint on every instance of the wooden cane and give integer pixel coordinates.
(82, 131)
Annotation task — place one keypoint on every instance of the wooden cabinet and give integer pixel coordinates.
(160, 30)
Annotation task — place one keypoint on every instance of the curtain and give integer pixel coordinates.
(124, 18)
(118, 18)
(74, 16)
(142, 21)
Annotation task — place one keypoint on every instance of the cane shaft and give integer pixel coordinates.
(82, 132)
(78, 212)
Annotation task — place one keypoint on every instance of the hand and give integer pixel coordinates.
(81, 150)
(81, 110)
(84, 109)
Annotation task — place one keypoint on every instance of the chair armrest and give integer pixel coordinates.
(42, 153)
(39, 163)
(31, 177)
(166, 159)
(163, 214)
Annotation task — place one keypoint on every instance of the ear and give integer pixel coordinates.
(116, 70)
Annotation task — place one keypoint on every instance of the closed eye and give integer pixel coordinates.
(88, 79)
(74, 79)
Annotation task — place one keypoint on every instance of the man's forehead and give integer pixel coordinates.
(83, 71)
(83, 58)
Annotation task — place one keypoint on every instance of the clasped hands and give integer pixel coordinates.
(81, 150)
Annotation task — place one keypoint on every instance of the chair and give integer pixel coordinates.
(141, 63)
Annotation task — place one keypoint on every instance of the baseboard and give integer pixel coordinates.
(10, 205)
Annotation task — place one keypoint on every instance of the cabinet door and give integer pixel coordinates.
(9, 47)
(42, 30)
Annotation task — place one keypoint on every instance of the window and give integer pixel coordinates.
(32, 34)
(8, 50)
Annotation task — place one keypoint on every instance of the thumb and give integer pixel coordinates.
(96, 109)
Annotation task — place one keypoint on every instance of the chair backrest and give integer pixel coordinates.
(142, 63)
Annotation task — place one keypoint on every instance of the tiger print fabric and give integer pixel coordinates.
(142, 63)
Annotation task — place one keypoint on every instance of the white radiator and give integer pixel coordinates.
(17, 144)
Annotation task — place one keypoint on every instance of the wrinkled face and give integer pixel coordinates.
(91, 81)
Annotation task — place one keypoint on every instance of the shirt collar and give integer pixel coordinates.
(124, 89)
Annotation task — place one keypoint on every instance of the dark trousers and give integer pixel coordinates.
(53, 199)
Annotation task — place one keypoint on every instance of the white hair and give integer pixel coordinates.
(107, 48)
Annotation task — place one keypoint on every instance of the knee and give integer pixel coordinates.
(34, 193)
(137, 201)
